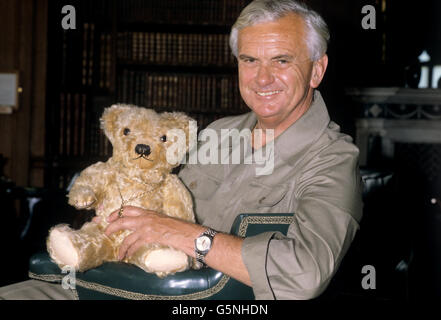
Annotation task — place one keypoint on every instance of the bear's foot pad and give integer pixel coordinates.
(62, 249)
(166, 261)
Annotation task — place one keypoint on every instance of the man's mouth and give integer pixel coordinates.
(268, 93)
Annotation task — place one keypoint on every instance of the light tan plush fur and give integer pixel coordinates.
(144, 182)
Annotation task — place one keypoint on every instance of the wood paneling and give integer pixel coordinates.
(23, 48)
(38, 112)
(8, 62)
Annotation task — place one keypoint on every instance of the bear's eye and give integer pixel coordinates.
(164, 138)
(126, 131)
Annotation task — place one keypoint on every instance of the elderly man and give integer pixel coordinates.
(281, 50)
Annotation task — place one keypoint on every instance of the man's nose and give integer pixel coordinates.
(264, 75)
(142, 149)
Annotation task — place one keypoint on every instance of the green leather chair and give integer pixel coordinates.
(116, 280)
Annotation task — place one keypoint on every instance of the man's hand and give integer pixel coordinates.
(152, 227)
(148, 227)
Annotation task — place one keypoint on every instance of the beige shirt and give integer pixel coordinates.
(315, 176)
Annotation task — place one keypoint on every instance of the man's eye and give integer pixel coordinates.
(249, 60)
(126, 131)
(164, 138)
(283, 62)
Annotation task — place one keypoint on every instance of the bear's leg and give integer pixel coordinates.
(161, 260)
(80, 249)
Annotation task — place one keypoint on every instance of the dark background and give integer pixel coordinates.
(50, 60)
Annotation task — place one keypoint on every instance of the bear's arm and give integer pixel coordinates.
(177, 201)
(87, 189)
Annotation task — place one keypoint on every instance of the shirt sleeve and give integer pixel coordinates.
(301, 264)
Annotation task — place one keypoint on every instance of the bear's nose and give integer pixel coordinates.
(142, 149)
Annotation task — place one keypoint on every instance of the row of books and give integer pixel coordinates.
(186, 92)
(72, 124)
(94, 44)
(105, 74)
(88, 54)
(219, 12)
(175, 48)
(79, 132)
(136, 47)
(86, 58)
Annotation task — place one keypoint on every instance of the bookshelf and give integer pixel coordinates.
(168, 55)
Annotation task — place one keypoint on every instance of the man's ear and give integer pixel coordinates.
(109, 120)
(318, 71)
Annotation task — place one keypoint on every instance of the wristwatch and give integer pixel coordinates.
(203, 244)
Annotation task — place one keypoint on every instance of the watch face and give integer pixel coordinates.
(203, 243)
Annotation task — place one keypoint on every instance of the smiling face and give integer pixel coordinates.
(276, 74)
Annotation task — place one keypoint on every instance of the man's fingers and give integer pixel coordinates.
(113, 216)
(135, 246)
(126, 244)
(127, 211)
(125, 223)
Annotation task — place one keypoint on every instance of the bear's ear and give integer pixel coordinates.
(180, 121)
(109, 120)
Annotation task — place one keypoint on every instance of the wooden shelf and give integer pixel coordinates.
(174, 27)
(173, 67)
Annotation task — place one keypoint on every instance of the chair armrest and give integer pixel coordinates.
(251, 224)
(115, 280)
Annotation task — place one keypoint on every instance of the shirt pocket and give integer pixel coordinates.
(262, 196)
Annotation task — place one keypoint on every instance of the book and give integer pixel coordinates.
(85, 54)
(83, 125)
(91, 54)
(62, 124)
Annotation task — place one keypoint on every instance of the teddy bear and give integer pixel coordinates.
(138, 174)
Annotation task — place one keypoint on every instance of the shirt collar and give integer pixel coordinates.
(297, 138)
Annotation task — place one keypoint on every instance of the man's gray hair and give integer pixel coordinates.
(259, 11)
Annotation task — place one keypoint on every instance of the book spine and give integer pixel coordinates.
(149, 91)
(62, 138)
(91, 54)
(108, 77)
(102, 62)
(134, 53)
(83, 125)
(84, 60)
(68, 125)
(76, 124)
